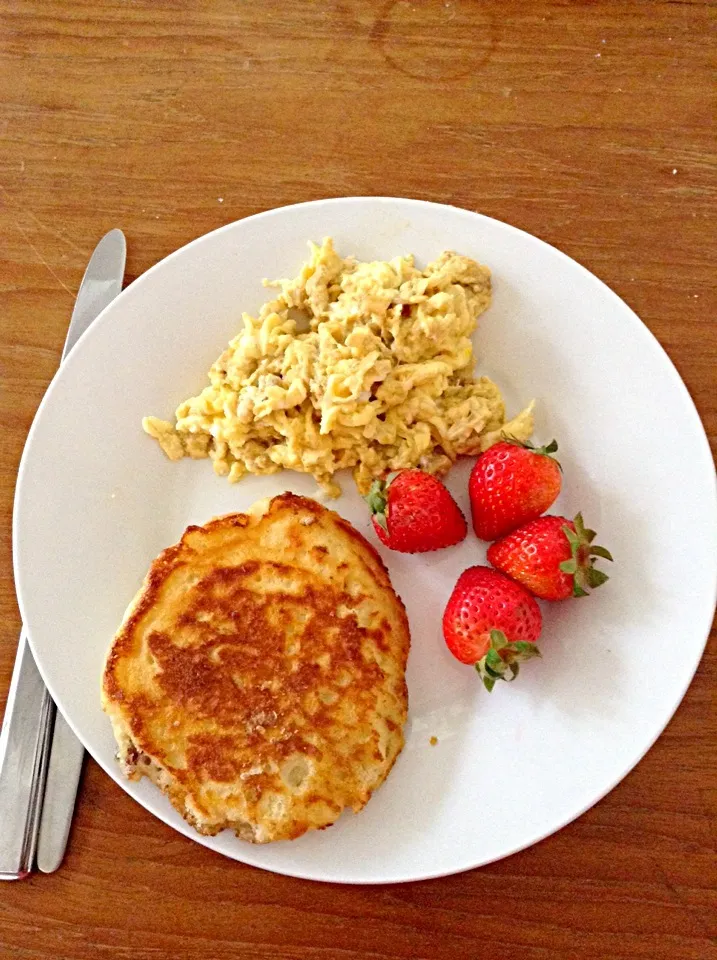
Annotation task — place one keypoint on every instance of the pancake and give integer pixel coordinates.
(258, 677)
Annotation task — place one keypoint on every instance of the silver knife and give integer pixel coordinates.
(28, 784)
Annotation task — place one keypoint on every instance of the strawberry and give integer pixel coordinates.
(552, 556)
(491, 622)
(510, 484)
(412, 512)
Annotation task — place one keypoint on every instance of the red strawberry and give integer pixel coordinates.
(491, 622)
(412, 512)
(510, 484)
(552, 556)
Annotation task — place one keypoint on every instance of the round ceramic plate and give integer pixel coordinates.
(97, 501)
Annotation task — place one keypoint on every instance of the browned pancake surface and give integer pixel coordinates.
(258, 677)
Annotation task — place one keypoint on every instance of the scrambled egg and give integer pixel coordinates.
(361, 365)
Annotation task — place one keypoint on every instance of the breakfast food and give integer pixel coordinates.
(258, 676)
(492, 619)
(493, 623)
(412, 512)
(367, 366)
(553, 557)
(511, 484)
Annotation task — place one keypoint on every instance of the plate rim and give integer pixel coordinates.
(638, 326)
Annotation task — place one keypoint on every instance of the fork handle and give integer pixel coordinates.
(63, 776)
(24, 746)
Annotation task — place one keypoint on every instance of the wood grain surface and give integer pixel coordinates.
(590, 124)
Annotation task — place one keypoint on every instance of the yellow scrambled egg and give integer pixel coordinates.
(360, 365)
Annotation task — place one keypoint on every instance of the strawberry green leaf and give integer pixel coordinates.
(376, 497)
(377, 500)
(491, 670)
(380, 519)
(573, 537)
(493, 661)
(546, 451)
(581, 563)
(498, 639)
(584, 535)
(488, 683)
(526, 650)
(596, 577)
(501, 662)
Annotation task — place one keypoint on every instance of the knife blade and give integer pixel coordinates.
(28, 784)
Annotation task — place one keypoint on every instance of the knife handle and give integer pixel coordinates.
(63, 777)
(24, 743)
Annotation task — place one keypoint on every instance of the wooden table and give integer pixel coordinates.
(588, 124)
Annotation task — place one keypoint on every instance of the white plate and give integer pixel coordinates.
(97, 500)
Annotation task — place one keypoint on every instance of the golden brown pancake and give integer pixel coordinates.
(258, 675)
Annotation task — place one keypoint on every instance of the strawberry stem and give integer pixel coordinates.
(583, 553)
(503, 658)
(377, 499)
(546, 451)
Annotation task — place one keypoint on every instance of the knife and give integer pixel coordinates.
(28, 739)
